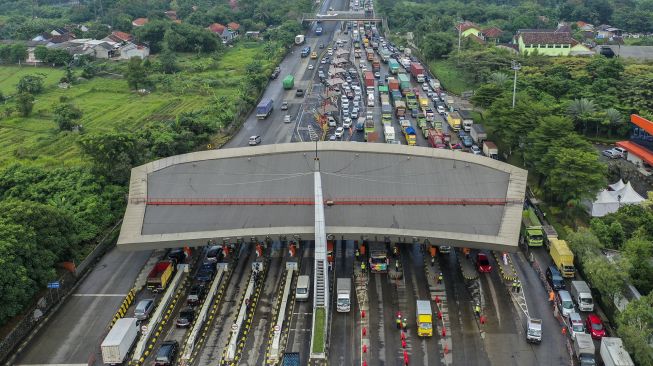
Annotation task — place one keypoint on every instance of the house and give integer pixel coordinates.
(130, 50)
(468, 28)
(253, 34)
(549, 42)
(605, 31)
(100, 49)
(585, 27)
(640, 143)
(171, 14)
(59, 32)
(234, 27)
(139, 22)
(221, 31)
(119, 37)
(492, 34)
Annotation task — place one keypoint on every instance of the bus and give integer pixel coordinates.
(379, 258)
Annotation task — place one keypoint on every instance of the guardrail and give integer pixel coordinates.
(275, 345)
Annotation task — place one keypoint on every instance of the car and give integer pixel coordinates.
(166, 354)
(299, 93)
(425, 87)
(313, 55)
(575, 324)
(362, 64)
(345, 103)
(414, 113)
(445, 249)
(254, 140)
(331, 121)
(143, 309)
(345, 112)
(311, 66)
(441, 109)
(346, 123)
(320, 74)
(348, 79)
(205, 273)
(475, 150)
(177, 254)
(483, 263)
(354, 113)
(329, 50)
(381, 82)
(554, 278)
(377, 75)
(332, 138)
(323, 61)
(614, 153)
(339, 132)
(214, 254)
(595, 326)
(284, 105)
(185, 318)
(195, 295)
(286, 118)
(467, 141)
(321, 45)
(275, 73)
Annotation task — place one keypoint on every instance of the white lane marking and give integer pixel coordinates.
(100, 295)
(494, 298)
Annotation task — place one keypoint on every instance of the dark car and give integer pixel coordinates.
(166, 354)
(554, 278)
(206, 272)
(299, 93)
(414, 113)
(195, 295)
(178, 255)
(467, 141)
(482, 263)
(214, 254)
(185, 318)
(275, 73)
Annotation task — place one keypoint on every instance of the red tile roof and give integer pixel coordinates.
(216, 28)
(234, 26)
(466, 25)
(547, 38)
(125, 37)
(139, 22)
(492, 32)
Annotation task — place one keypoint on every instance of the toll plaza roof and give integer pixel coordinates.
(371, 191)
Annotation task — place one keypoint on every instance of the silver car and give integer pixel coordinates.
(143, 309)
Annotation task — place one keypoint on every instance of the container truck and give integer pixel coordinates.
(369, 128)
(454, 120)
(404, 82)
(369, 79)
(288, 82)
(531, 229)
(400, 108)
(411, 136)
(434, 84)
(376, 65)
(264, 108)
(119, 341)
(613, 352)
(389, 134)
(424, 318)
(300, 39)
(533, 330)
(393, 65)
(160, 275)
(343, 295)
(584, 349)
(562, 256)
(393, 84)
(383, 89)
(477, 132)
(490, 150)
(582, 295)
(417, 70)
(436, 139)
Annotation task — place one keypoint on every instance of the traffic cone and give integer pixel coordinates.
(403, 343)
(439, 315)
(364, 331)
(403, 336)
(363, 314)
(444, 331)
(446, 348)
(364, 348)
(437, 299)
(364, 363)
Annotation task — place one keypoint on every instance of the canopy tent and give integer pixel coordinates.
(609, 201)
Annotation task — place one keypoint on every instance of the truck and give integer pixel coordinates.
(424, 318)
(400, 108)
(434, 84)
(343, 295)
(288, 82)
(562, 256)
(404, 82)
(477, 132)
(393, 84)
(423, 101)
(160, 275)
(468, 119)
(584, 349)
(369, 79)
(411, 136)
(306, 51)
(290, 359)
(393, 65)
(369, 128)
(385, 55)
(119, 341)
(533, 330)
(454, 120)
(436, 139)
(376, 65)
(613, 352)
(264, 108)
(490, 150)
(389, 134)
(369, 54)
(318, 31)
(417, 70)
(531, 229)
(300, 39)
(582, 295)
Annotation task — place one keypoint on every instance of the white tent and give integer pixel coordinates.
(609, 201)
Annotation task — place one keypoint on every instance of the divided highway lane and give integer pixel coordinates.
(74, 333)
(299, 335)
(344, 341)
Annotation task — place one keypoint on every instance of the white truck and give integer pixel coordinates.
(119, 341)
(389, 134)
(490, 150)
(584, 349)
(613, 352)
(533, 330)
(344, 295)
(434, 84)
(477, 132)
(299, 39)
(582, 295)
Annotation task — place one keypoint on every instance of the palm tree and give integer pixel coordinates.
(613, 118)
(498, 78)
(581, 111)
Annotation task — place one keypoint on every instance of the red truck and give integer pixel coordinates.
(436, 139)
(369, 79)
(160, 276)
(376, 65)
(417, 70)
(393, 84)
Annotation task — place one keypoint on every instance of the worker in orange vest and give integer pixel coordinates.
(433, 250)
(551, 296)
(363, 249)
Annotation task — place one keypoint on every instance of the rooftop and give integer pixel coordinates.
(371, 190)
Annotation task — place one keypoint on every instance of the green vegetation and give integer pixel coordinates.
(450, 77)
(319, 330)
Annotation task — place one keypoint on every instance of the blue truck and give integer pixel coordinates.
(306, 51)
(264, 108)
(318, 31)
(290, 359)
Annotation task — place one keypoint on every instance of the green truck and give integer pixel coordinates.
(404, 82)
(394, 66)
(531, 228)
(288, 82)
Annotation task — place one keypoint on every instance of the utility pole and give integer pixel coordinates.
(515, 66)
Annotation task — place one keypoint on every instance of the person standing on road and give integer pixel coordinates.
(398, 321)
(477, 310)
(404, 323)
(551, 296)
(518, 286)
(363, 267)
(440, 278)
(514, 285)
(358, 254)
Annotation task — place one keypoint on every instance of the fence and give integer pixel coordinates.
(36, 316)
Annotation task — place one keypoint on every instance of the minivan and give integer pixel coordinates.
(166, 354)
(576, 324)
(554, 278)
(255, 140)
(565, 303)
(303, 286)
(143, 309)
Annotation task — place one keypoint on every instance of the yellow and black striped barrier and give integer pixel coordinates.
(506, 277)
(124, 306)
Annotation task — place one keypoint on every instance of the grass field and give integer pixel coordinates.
(107, 104)
(318, 330)
(450, 77)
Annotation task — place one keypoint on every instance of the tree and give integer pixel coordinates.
(486, 94)
(168, 61)
(499, 79)
(576, 174)
(113, 154)
(24, 103)
(435, 45)
(41, 53)
(32, 84)
(582, 110)
(635, 327)
(136, 75)
(639, 252)
(539, 141)
(608, 277)
(584, 243)
(65, 115)
(18, 53)
(58, 57)
(613, 118)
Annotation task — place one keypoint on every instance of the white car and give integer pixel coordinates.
(286, 118)
(255, 140)
(425, 87)
(339, 132)
(346, 123)
(475, 150)
(311, 67)
(613, 153)
(345, 104)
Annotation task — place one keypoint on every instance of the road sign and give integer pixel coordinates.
(144, 329)
(277, 328)
(54, 284)
(234, 326)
